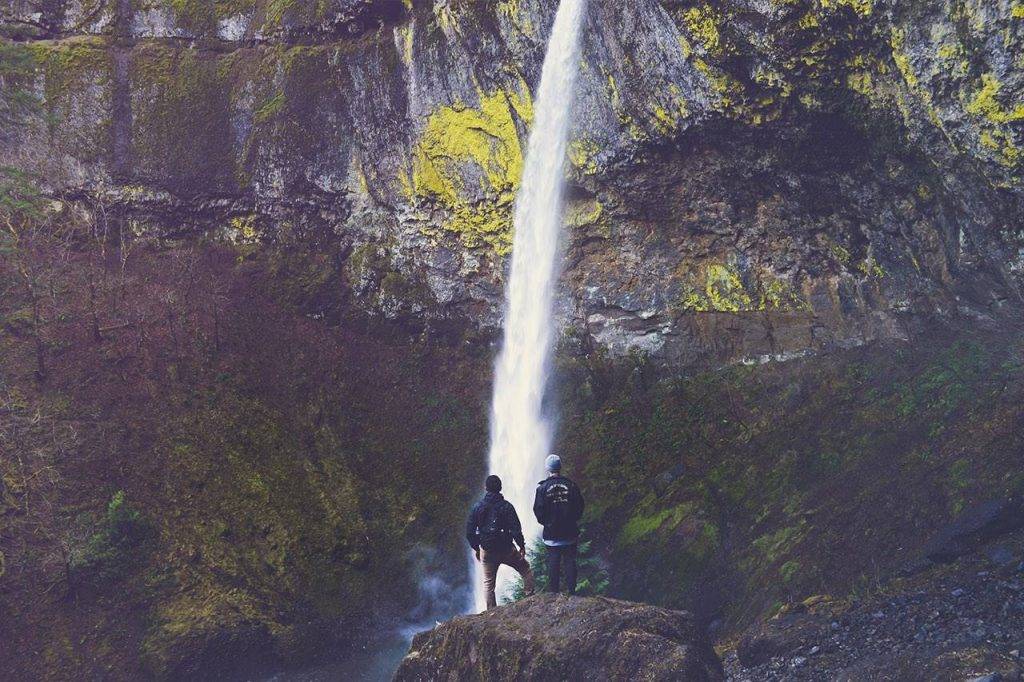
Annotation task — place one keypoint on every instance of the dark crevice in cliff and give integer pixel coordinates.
(121, 112)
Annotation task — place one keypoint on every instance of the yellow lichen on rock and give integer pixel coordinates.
(1008, 153)
(724, 289)
(986, 104)
(702, 23)
(582, 155)
(721, 288)
(588, 214)
(899, 55)
(243, 230)
(861, 7)
(461, 142)
(514, 11)
(670, 112)
(276, 10)
(405, 39)
(727, 89)
(808, 21)
(866, 76)
(996, 118)
(445, 18)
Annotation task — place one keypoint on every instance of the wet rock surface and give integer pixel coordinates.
(555, 637)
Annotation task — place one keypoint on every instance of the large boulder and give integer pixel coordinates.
(555, 637)
(977, 525)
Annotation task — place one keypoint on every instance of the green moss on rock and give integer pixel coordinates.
(202, 17)
(181, 134)
(76, 77)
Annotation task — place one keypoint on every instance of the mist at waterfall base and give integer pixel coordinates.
(377, 659)
(521, 433)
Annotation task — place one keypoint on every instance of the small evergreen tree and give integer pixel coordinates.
(121, 534)
(591, 578)
(18, 99)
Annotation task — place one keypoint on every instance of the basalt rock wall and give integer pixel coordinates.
(749, 179)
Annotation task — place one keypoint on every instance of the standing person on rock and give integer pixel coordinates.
(491, 530)
(558, 507)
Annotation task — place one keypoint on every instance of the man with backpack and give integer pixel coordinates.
(492, 528)
(558, 507)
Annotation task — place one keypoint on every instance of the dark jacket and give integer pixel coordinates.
(558, 507)
(509, 518)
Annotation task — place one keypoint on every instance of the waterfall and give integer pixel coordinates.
(520, 433)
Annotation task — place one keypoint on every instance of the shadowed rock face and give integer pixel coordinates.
(977, 525)
(555, 637)
(749, 180)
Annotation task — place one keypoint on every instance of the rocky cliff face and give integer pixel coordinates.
(555, 637)
(832, 170)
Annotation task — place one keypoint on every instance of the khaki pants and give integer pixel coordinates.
(491, 561)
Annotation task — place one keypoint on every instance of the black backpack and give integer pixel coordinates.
(494, 530)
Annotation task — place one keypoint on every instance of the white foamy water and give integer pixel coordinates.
(520, 433)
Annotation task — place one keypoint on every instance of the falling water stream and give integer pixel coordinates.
(520, 432)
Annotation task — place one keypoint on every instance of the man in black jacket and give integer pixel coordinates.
(558, 507)
(491, 529)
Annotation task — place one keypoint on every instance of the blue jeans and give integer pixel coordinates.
(557, 558)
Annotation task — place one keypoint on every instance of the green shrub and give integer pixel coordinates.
(591, 577)
(122, 534)
(18, 100)
(20, 200)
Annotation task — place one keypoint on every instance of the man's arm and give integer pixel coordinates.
(471, 536)
(539, 505)
(577, 502)
(516, 528)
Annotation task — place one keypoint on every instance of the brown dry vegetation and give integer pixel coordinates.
(205, 466)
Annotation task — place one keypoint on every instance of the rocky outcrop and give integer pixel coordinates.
(750, 181)
(958, 622)
(977, 525)
(555, 637)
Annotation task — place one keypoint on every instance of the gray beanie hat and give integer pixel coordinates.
(553, 463)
